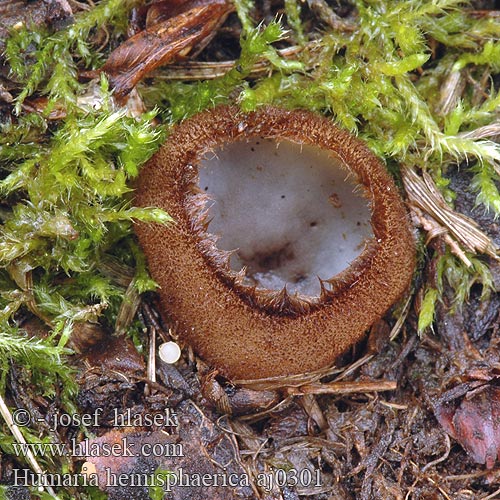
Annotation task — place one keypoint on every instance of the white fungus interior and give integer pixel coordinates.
(291, 212)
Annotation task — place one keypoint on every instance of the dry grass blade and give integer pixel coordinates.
(313, 410)
(30, 457)
(451, 92)
(345, 387)
(271, 383)
(128, 309)
(490, 130)
(208, 70)
(436, 217)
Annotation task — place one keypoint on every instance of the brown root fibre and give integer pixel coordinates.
(249, 333)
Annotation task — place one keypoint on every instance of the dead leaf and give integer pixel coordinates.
(167, 41)
(115, 353)
(474, 421)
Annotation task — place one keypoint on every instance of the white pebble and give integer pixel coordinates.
(169, 352)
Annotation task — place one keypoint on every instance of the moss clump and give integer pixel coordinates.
(46, 61)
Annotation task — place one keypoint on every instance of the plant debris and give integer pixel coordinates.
(163, 42)
(410, 414)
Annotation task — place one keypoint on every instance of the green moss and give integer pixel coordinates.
(182, 100)
(460, 278)
(157, 492)
(485, 184)
(46, 61)
(66, 205)
(292, 9)
(427, 310)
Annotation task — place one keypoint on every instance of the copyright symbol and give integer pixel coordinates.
(21, 417)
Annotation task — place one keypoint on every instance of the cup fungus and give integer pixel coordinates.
(241, 322)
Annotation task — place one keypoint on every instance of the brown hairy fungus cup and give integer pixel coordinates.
(245, 330)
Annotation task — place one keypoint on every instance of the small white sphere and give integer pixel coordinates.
(169, 352)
